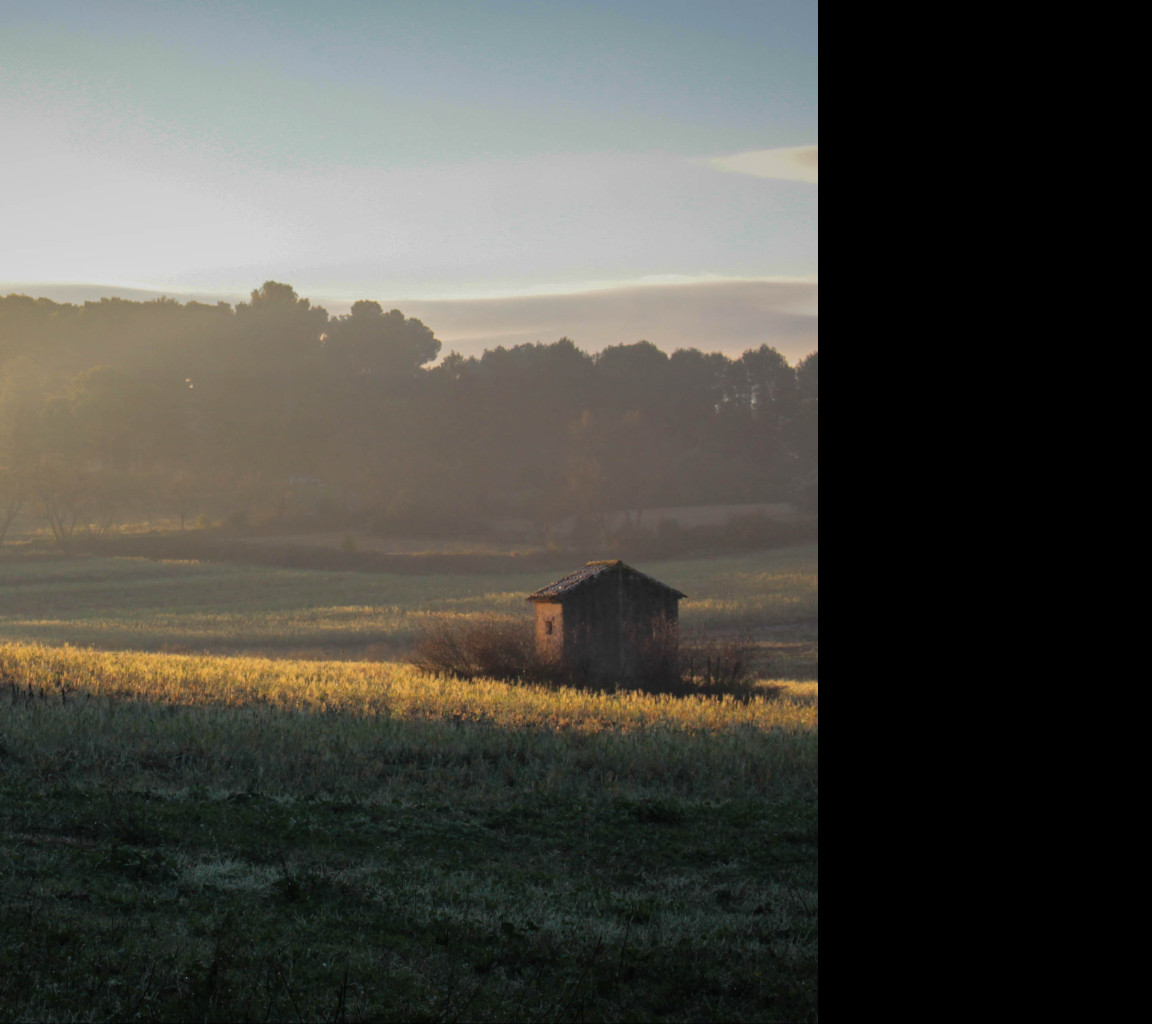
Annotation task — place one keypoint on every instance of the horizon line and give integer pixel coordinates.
(593, 287)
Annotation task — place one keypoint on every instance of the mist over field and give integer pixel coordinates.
(274, 415)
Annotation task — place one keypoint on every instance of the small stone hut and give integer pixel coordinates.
(608, 620)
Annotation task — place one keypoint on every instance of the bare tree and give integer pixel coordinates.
(76, 498)
(13, 497)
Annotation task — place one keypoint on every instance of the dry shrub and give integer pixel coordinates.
(470, 648)
(492, 647)
(700, 665)
(718, 662)
(722, 665)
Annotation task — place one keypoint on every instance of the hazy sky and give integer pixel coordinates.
(427, 150)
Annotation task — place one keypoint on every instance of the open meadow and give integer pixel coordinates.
(225, 796)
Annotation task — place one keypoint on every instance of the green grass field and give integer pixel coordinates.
(192, 832)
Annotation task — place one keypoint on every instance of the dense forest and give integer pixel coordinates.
(274, 413)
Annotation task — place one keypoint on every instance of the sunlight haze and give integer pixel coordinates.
(425, 152)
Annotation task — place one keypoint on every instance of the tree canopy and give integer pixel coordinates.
(230, 408)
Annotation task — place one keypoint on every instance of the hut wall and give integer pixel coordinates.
(550, 630)
(618, 625)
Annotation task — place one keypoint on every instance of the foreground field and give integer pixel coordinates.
(192, 838)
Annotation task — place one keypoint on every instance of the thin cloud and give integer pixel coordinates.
(793, 163)
(724, 316)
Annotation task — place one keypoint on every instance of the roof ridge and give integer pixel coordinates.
(588, 572)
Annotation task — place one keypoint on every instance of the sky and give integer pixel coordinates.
(524, 170)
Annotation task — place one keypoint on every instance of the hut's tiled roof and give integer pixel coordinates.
(590, 571)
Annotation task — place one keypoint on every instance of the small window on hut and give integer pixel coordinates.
(548, 627)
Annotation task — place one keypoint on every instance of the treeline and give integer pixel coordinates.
(275, 412)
